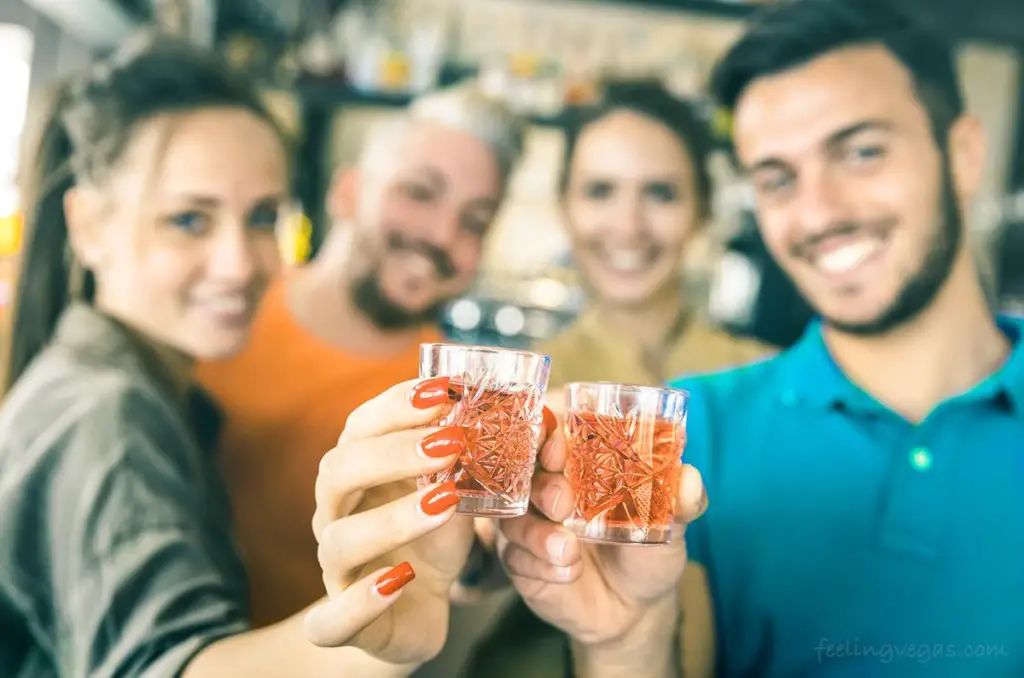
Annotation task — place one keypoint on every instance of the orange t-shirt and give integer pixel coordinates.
(285, 400)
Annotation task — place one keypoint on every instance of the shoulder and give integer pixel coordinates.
(726, 406)
(569, 355)
(66, 402)
(731, 349)
(562, 343)
(749, 386)
(103, 445)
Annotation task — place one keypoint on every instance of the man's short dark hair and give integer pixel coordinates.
(793, 33)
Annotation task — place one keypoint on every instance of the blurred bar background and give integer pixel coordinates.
(330, 67)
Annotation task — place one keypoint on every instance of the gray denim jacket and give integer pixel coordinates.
(116, 550)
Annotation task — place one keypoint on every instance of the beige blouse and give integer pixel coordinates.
(592, 349)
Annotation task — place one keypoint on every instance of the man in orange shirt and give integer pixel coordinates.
(408, 226)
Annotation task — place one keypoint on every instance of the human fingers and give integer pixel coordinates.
(339, 619)
(692, 498)
(553, 452)
(521, 564)
(555, 399)
(347, 544)
(552, 496)
(410, 404)
(550, 420)
(546, 541)
(362, 464)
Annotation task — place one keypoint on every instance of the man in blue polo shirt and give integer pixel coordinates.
(866, 486)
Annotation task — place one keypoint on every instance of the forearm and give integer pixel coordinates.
(649, 650)
(282, 651)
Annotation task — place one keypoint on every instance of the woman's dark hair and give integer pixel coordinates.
(89, 123)
(650, 99)
(790, 34)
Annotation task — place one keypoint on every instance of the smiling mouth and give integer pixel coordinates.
(846, 255)
(416, 266)
(627, 261)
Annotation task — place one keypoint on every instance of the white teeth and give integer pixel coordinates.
(232, 305)
(848, 257)
(626, 261)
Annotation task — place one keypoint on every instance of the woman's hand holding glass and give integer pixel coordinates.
(377, 532)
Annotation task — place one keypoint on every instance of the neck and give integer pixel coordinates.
(179, 368)
(171, 365)
(946, 350)
(650, 324)
(319, 297)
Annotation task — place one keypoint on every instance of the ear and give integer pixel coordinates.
(343, 195)
(968, 154)
(83, 207)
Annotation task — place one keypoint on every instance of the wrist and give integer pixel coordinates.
(351, 661)
(647, 650)
(324, 662)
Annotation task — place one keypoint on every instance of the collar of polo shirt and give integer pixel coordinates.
(812, 377)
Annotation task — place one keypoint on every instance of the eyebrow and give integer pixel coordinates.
(844, 134)
(210, 202)
(434, 176)
(440, 182)
(837, 138)
(666, 178)
(489, 204)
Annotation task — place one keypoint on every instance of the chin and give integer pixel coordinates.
(618, 294)
(624, 301)
(865, 322)
(223, 349)
(413, 306)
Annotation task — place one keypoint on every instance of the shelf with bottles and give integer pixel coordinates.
(724, 9)
(342, 94)
(540, 57)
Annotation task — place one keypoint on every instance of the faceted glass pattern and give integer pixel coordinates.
(498, 397)
(625, 446)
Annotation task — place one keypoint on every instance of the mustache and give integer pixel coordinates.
(806, 247)
(397, 242)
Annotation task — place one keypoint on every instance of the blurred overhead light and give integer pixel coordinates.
(15, 71)
(465, 315)
(509, 321)
(100, 24)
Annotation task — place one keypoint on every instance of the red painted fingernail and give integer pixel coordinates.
(429, 393)
(550, 421)
(439, 499)
(392, 581)
(444, 443)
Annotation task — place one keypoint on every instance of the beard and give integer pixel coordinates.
(921, 289)
(369, 297)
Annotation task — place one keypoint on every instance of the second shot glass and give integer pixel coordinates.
(625, 446)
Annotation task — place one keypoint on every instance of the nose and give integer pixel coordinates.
(447, 229)
(232, 257)
(820, 202)
(630, 222)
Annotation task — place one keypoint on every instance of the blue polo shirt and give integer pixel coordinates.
(842, 540)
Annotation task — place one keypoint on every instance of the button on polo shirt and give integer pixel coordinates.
(842, 540)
